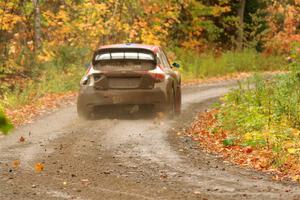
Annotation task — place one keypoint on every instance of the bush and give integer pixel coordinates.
(265, 114)
(208, 65)
(60, 74)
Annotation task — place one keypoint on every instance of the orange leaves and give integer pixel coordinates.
(209, 134)
(26, 113)
(21, 139)
(8, 18)
(192, 43)
(219, 10)
(248, 150)
(39, 167)
(282, 34)
(16, 164)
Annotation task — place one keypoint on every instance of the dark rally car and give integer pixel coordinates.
(130, 75)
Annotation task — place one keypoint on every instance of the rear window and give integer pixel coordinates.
(128, 59)
(125, 64)
(123, 56)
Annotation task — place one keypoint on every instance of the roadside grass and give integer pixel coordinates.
(51, 81)
(195, 66)
(5, 124)
(58, 75)
(258, 124)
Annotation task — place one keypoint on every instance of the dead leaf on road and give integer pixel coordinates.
(22, 139)
(16, 163)
(39, 167)
(85, 182)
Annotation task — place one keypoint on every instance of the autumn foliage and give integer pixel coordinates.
(44, 44)
(257, 125)
(283, 21)
(32, 33)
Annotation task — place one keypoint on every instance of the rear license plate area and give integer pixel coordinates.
(124, 83)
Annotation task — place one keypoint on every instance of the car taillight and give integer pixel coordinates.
(158, 74)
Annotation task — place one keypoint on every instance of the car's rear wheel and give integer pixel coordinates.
(172, 104)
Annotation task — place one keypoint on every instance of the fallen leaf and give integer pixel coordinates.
(248, 150)
(197, 192)
(16, 163)
(84, 182)
(296, 178)
(39, 167)
(22, 139)
(163, 176)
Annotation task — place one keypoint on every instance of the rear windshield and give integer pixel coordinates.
(125, 64)
(124, 60)
(123, 55)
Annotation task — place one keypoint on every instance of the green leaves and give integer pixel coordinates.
(228, 142)
(264, 115)
(5, 125)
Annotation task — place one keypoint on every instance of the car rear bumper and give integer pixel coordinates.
(90, 97)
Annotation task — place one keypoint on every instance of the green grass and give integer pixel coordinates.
(266, 116)
(262, 113)
(59, 75)
(268, 112)
(52, 81)
(195, 66)
(5, 125)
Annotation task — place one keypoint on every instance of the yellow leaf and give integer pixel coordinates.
(292, 150)
(16, 163)
(248, 136)
(296, 178)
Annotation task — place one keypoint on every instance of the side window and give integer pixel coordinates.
(165, 59)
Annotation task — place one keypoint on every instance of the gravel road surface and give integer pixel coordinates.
(126, 157)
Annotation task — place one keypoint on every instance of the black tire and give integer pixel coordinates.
(171, 107)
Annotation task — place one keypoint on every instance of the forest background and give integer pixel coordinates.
(45, 44)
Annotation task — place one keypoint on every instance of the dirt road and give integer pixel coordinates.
(126, 158)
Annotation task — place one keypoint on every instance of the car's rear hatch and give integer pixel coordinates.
(124, 69)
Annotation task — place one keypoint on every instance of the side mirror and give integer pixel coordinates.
(176, 65)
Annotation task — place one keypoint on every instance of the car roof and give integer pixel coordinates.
(153, 48)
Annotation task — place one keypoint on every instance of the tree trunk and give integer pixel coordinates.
(37, 24)
(112, 37)
(241, 14)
